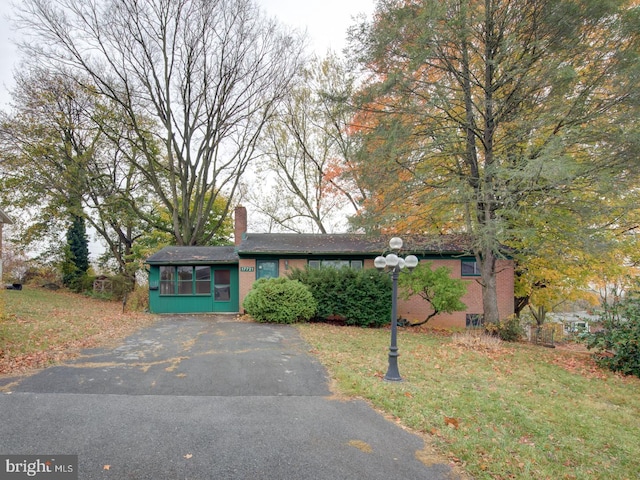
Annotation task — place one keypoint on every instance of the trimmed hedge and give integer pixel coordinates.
(360, 297)
(279, 300)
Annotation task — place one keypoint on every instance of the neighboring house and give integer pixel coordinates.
(4, 218)
(216, 279)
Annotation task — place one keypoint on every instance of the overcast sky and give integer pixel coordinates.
(326, 22)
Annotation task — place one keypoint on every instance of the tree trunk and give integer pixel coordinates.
(487, 262)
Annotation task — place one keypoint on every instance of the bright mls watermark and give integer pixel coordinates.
(45, 467)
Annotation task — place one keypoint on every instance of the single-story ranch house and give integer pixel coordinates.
(216, 279)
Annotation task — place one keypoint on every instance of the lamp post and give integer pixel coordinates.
(393, 263)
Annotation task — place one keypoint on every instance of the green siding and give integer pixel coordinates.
(193, 303)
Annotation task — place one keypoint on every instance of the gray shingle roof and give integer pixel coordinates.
(305, 244)
(194, 255)
(277, 244)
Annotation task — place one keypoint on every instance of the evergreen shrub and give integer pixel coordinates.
(360, 297)
(617, 345)
(508, 330)
(280, 300)
(81, 283)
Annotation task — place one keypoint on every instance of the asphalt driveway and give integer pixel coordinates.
(205, 397)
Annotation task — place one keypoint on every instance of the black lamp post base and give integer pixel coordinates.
(393, 374)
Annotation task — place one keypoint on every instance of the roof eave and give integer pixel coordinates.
(192, 262)
(253, 253)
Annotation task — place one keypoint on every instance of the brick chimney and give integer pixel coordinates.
(240, 218)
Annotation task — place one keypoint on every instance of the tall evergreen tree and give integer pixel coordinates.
(76, 261)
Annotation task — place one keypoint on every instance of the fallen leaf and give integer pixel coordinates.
(107, 467)
(526, 440)
(452, 422)
(360, 445)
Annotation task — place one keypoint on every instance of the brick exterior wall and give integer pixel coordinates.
(416, 309)
(246, 278)
(240, 223)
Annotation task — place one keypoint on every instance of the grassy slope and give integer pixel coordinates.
(516, 411)
(39, 327)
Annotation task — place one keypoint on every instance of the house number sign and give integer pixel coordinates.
(246, 269)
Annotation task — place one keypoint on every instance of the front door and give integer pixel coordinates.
(225, 288)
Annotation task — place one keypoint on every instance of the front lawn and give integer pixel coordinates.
(39, 327)
(500, 412)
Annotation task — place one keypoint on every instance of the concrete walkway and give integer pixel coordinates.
(205, 397)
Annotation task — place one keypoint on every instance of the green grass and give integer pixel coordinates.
(518, 411)
(34, 316)
(39, 327)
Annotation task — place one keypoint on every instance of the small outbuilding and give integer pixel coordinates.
(216, 279)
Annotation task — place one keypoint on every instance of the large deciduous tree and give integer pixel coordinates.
(66, 156)
(587, 253)
(209, 74)
(484, 113)
(308, 152)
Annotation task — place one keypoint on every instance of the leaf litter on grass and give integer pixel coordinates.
(40, 328)
(522, 411)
